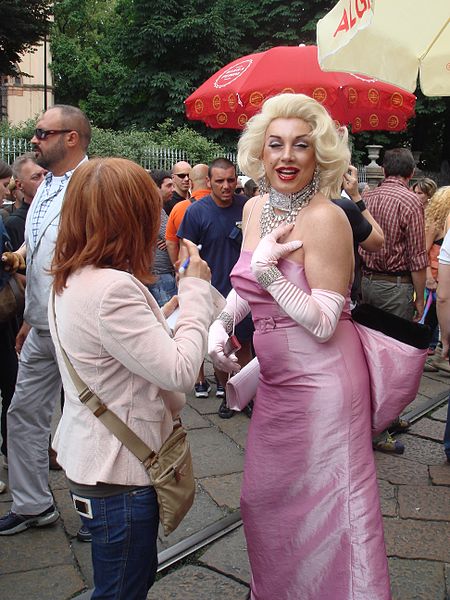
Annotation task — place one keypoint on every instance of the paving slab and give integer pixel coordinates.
(57, 480)
(35, 548)
(391, 468)
(197, 583)
(70, 517)
(51, 583)
(229, 556)
(418, 404)
(440, 474)
(408, 538)
(431, 387)
(213, 453)
(416, 580)
(83, 558)
(424, 503)
(440, 414)
(388, 498)
(205, 406)
(429, 429)
(422, 451)
(235, 428)
(225, 490)
(192, 419)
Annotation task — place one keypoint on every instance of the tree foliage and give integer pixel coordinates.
(23, 24)
(132, 63)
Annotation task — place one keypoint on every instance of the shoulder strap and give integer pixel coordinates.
(109, 419)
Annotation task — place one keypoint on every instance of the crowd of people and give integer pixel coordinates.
(278, 261)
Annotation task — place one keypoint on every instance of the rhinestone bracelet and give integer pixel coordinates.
(268, 276)
(227, 321)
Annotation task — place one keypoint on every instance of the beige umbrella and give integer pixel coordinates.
(392, 40)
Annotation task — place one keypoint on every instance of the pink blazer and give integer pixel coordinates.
(117, 340)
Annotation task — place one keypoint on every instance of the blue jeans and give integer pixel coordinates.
(447, 433)
(124, 529)
(164, 288)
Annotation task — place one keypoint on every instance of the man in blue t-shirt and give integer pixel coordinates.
(215, 223)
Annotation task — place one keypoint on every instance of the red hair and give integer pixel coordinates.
(110, 218)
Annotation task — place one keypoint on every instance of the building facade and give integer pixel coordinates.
(26, 95)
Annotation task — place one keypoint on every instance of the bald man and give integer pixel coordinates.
(181, 184)
(198, 176)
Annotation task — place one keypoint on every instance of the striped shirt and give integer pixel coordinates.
(49, 190)
(400, 215)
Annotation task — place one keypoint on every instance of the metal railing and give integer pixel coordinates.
(11, 148)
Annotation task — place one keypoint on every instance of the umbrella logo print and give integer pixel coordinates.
(232, 102)
(373, 120)
(357, 124)
(198, 106)
(256, 98)
(397, 99)
(242, 120)
(352, 95)
(373, 97)
(232, 73)
(216, 102)
(222, 118)
(320, 95)
(393, 122)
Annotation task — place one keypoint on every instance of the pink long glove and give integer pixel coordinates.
(319, 312)
(235, 310)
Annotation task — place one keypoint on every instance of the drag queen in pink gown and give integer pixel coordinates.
(309, 499)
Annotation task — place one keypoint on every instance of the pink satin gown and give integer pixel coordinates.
(309, 499)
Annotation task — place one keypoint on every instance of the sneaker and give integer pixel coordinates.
(220, 391)
(12, 523)
(84, 535)
(389, 445)
(224, 412)
(202, 389)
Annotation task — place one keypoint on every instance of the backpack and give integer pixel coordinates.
(12, 290)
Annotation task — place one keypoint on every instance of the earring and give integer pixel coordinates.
(316, 180)
(263, 185)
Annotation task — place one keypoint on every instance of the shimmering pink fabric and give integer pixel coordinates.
(309, 499)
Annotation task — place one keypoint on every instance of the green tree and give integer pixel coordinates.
(23, 24)
(86, 65)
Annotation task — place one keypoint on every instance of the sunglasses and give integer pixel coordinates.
(239, 190)
(182, 175)
(42, 134)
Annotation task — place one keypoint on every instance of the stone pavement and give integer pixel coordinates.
(50, 564)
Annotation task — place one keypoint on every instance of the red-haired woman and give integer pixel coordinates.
(119, 344)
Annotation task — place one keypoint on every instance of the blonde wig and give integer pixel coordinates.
(330, 143)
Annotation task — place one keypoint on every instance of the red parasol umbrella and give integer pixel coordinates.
(237, 91)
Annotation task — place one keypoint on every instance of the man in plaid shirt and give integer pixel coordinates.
(394, 277)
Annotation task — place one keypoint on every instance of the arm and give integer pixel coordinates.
(418, 279)
(376, 238)
(443, 306)
(328, 266)
(134, 335)
(430, 236)
(235, 310)
(15, 261)
(173, 250)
